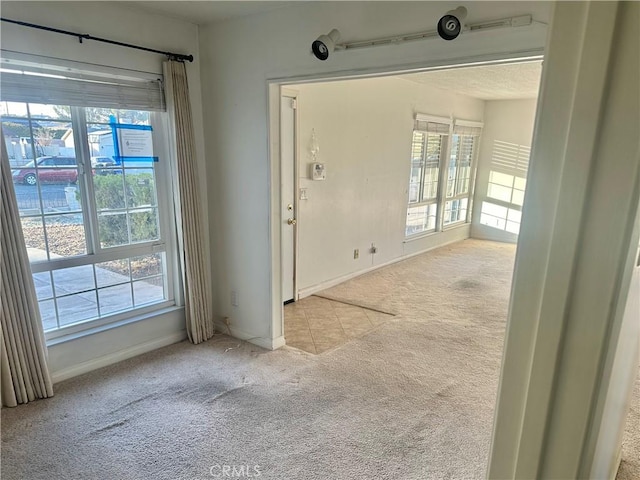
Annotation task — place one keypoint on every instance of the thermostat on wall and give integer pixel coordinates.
(318, 171)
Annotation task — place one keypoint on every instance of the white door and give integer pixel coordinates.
(287, 195)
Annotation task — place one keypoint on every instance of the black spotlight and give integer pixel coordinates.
(325, 44)
(450, 25)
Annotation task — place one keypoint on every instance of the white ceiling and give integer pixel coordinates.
(490, 82)
(207, 11)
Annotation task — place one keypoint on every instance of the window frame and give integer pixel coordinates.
(165, 244)
(472, 172)
(517, 167)
(445, 161)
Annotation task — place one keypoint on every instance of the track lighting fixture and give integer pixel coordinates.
(325, 44)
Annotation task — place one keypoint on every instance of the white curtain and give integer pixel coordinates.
(24, 373)
(197, 288)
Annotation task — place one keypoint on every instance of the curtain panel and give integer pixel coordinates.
(24, 373)
(197, 288)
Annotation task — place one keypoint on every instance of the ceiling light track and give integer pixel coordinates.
(511, 22)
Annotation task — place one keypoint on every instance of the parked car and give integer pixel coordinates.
(104, 166)
(48, 170)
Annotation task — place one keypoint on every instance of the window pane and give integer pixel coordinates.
(42, 282)
(501, 178)
(73, 280)
(136, 117)
(146, 266)
(421, 219)
(459, 175)
(495, 210)
(514, 215)
(114, 299)
(13, 109)
(48, 314)
(50, 112)
(518, 197)
(455, 211)
(144, 225)
(55, 139)
(113, 229)
(499, 192)
(112, 273)
(491, 221)
(520, 183)
(141, 187)
(65, 235)
(500, 217)
(33, 233)
(109, 191)
(432, 166)
(148, 291)
(77, 308)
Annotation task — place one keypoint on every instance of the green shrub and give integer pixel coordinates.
(139, 191)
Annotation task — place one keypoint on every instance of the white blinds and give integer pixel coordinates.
(461, 129)
(510, 158)
(85, 91)
(432, 124)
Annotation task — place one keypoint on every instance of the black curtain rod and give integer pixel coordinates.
(86, 36)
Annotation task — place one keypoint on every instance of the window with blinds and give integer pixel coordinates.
(92, 193)
(429, 140)
(442, 158)
(506, 187)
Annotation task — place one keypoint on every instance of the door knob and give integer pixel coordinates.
(291, 221)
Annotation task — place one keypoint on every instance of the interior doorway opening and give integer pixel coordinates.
(386, 169)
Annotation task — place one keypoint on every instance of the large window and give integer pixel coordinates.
(505, 190)
(92, 197)
(437, 148)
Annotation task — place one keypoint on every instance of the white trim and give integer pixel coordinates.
(267, 343)
(118, 356)
(306, 292)
(273, 89)
(422, 117)
(92, 327)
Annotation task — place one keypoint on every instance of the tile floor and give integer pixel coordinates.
(316, 324)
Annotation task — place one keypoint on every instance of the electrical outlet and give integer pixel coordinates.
(234, 298)
(356, 254)
(373, 250)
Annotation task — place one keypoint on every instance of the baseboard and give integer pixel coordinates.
(307, 292)
(482, 232)
(266, 343)
(118, 356)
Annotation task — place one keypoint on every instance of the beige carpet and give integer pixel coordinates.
(412, 399)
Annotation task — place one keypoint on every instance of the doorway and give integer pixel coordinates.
(411, 162)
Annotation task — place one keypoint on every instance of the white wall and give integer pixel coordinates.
(241, 55)
(118, 22)
(364, 129)
(508, 121)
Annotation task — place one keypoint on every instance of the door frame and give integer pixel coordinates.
(275, 86)
(294, 95)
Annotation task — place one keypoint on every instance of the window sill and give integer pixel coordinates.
(419, 236)
(430, 234)
(109, 326)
